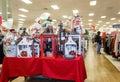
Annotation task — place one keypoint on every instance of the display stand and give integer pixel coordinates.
(48, 45)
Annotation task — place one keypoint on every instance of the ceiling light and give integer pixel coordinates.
(97, 24)
(8, 12)
(27, 1)
(21, 19)
(118, 12)
(112, 18)
(55, 7)
(21, 15)
(103, 16)
(91, 14)
(23, 10)
(0, 12)
(64, 16)
(104, 25)
(89, 23)
(75, 11)
(107, 22)
(20, 22)
(54, 20)
(114, 23)
(3, 20)
(99, 21)
(90, 20)
(93, 3)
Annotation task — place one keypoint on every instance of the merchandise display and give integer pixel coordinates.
(70, 49)
(48, 45)
(9, 43)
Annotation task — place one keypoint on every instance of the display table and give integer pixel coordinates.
(57, 68)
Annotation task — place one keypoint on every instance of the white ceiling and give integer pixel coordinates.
(108, 8)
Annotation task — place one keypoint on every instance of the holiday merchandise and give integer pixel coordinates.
(70, 49)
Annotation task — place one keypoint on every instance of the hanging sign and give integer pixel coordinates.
(0, 20)
(92, 27)
(116, 26)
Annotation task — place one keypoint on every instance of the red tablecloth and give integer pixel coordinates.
(57, 68)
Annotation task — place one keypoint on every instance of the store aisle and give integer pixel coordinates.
(99, 69)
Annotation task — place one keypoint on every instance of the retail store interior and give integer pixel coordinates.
(59, 40)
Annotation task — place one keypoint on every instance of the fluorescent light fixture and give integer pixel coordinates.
(112, 18)
(64, 16)
(118, 12)
(103, 16)
(90, 20)
(23, 10)
(89, 23)
(21, 15)
(97, 24)
(8, 12)
(3, 20)
(20, 22)
(55, 7)
(107, 22)
(27, 1)
(93, 3)
(99, 21)
(54, 20)
(21, 19)
(75, 11)
(114, 23)
(91, 14)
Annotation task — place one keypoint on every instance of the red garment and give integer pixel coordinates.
(57, 68)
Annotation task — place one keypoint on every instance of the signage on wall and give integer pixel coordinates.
(0, 20)
(116, 26)
(92, 27)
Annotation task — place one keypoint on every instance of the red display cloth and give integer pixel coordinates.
(57, 68)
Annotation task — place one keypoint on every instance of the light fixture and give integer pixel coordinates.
(21, 15)
(0, 12)
(89, 23)
(93, 3)
(21, 19)
(91, 14)
(104, 25)
(64, 16)
(103, 16)
(90, 20)
(3, 20)
(27, 1)
(54, 20)
(55, 7)
(20, 22)
(8, 12)
(97, 24)
(112, 18)
(118, 12)
(75, 12)
(99, 21)
(114, 23)
(107, 22)
(23, 10)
